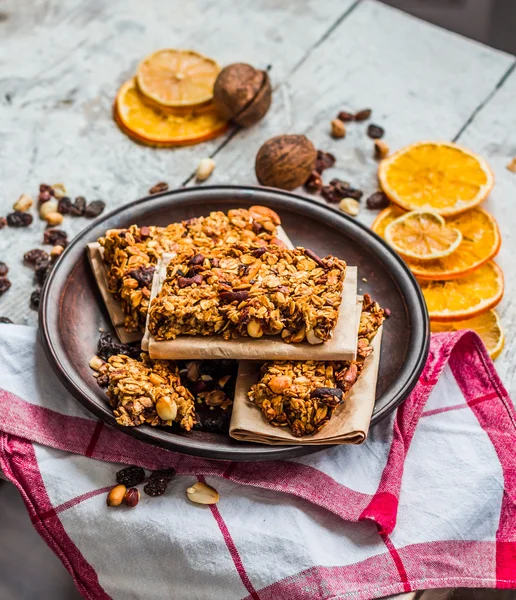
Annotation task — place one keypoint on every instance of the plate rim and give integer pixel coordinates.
(412, 295)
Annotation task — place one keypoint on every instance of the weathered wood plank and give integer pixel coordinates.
(61, 63)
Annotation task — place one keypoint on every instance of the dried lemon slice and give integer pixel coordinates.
(422, 235)
(480, 242)
(464, 298)
(436, 176)
(151, 126)
(487, 325)
(177, 77)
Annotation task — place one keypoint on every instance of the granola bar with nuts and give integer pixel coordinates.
(303, 395)
(251, 291)
(131, 254)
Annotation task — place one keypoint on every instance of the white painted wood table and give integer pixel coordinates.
(62, 61)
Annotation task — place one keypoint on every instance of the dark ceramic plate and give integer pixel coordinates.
(72, 310)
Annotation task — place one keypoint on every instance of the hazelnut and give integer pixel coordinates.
(131, 497)
(338, 129)
(54, 218)
(280, 383)
(242, 94)
(116, 495)
(350, 206)
(48, 207)
(23, 203)
(285, 161)
(166, 408)
(201, 493)
(205, 169)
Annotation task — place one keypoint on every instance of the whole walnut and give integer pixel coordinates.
(285, 161)
(242, 94)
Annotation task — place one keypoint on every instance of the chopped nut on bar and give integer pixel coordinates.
(249, 290)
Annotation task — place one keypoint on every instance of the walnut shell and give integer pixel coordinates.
(242, 94)
(285, 161)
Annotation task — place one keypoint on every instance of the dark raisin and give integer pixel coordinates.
(166, 474)
(130, 476)
(4, 269)
(256, 227)
(64, 206)
(144, 232)
(44, 187)
(314, 183)
(336, 190)
(345, 116)
(94, 209)
(78, 207)
(103, 380)
(324, 160)
(55, 237)
(35, 299)
(375, 132)
(234, 295)
(143, 276)
(162, 186)
(353, 193)
(198, 259)
(44, 196)
(377, 200)
(33, 256)
(322, 392)
(5, 320)
(19, 219)
(155, 487)
(108, 347)
(42, 270)
(211, 421)
(363, 115)
(5, 284)
(3, 222)
(183, 282)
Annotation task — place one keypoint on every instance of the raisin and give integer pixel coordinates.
(5, 320)
(363, 115)
(55, 237)
(33, 256)
(155, 487)
(322, 392)
(130, 476)
(324, 160)
(197, 259)
(64, 206)
(162, 186)
(336, 190)
(314, 183)
(108, 346)
(3, 222)
(44, 196)
(234, 295)
(377, 200)
(5, 284)
(4, 269)
(345, 116)
(35, 299)
(78, 207)
(166, 474)
(211, 421)
(44, 187)
(94, 209)
(143, 276)
(19, 219)
(375, 132)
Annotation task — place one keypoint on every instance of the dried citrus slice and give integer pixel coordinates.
(158, 128)
(438, 176)
(422, 235)
(480, 242)
(177, 77)
(464, 298)
(487, 325)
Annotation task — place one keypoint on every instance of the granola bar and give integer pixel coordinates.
(131, 254)
(303, 395)
(249, 290)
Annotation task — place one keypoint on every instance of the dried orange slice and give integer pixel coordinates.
(177, 77)
(438, 176)
(464, 298)
(158, 128)
(480, 242)
(487, 325)
(422, 235)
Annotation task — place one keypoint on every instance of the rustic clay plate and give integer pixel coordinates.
(72, 310)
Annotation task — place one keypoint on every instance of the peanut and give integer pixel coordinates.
(23, 203)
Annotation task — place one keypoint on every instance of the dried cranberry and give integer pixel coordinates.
(78, 207)
(345, 116)
(5, 320)
(130, 476)
(94, 209)
(4, 269)
(143, 276)
(324, 160)
(55, 237)
(3, 222)
(162, 186)
(155, 487)
(35, 255)
(108, 347)
(375, 132)
(42, 270)
(5, 284)
(144, 232)
(35, 299)
(363, 115)
(19, 219)
(314, 183)
(44, 197)
(377, 200)
(188, 281)
(64, 206)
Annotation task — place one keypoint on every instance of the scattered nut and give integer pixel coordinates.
(363, 115)
(375, 132)
(381, 149)
(131, 497)
(201, 493)
(59, 190)
(350, 206)
(56, 252)
(205, 169)
(54, 218)
(512, 166)
(345, 116)
(96, 362)
(48, 207)
(254, 328)
(378, 200)
(116, 495)
(23, 203)
(338, 129)
(162, 186)
(166, 408)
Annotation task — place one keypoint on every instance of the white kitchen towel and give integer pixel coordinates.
(428, 501)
